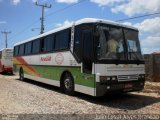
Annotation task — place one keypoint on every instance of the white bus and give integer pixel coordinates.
(6, 60)
(90, 56)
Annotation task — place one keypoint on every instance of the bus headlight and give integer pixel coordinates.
(142, 76)
(114, 78)
(108, 78)
(104, 79)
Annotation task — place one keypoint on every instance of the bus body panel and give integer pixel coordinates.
(79, 88)
(117, 70)
(48, 69)
(119, 78)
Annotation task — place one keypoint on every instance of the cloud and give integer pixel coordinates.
(149, 34)
(106, 2)
(133, 7)
(151, 41)
(15, 2)
(3, 22)
(150, 26)
(65, 23)
(130, 7)
(67, 1)
(150, 44)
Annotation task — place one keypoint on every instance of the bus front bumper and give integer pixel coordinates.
(7, 70)
(119, 87)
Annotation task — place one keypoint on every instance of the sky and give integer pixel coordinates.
(20, 17)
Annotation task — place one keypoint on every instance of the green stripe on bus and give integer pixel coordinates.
(54, 73)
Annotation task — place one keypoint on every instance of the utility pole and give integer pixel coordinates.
(6, 36)
(42, 18)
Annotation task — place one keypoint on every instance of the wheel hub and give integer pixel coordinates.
(67, 84)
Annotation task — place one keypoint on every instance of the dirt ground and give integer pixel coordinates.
(34, 98)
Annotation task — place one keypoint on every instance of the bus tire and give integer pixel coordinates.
(21, 74)
(11, 73)
(68, 84)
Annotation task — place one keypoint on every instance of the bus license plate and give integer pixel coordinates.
(128, 85)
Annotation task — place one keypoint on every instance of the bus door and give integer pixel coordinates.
(87, 51)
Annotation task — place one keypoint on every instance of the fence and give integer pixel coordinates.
(152, 67)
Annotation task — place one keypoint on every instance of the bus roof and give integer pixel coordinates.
(6, 49)
(81, 21)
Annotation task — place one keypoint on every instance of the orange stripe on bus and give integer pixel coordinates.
(26, 67)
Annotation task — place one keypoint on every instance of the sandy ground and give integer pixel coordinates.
(30, 97)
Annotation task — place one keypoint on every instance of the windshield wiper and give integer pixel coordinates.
(135, 56)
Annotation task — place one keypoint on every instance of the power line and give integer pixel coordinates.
(22, 31)
(42, 18)
(6, 36)
(137, 17)
(46, 16)
(60, 10)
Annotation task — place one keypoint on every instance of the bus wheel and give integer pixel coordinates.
(21, 74)
(11, 73)
(68, 84)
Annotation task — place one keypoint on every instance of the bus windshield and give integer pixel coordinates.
(133, 45)
(118, 43)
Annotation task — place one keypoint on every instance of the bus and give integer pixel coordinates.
(6, 60)
(80, 57)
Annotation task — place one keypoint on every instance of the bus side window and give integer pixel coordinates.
(16, 49)
(42, 48)
(50, 43)
(87, 50)
(62, 40)
(47, 44)
(28, 47)
(77, 44)
(36, 46)
(21, 49)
